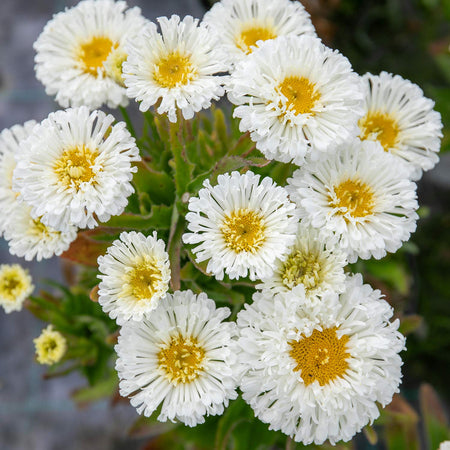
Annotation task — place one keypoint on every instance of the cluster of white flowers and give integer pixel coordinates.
(315, 352)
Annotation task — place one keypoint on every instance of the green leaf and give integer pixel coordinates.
(102, 389)
(158, 185)
(158, 219)
(391, 272)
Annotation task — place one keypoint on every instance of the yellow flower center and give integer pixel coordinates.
(251, 34)
(182, 359)
(378, 126)
(355, 196)
(174, 69)
(50, 346)
(12, 282)
(321, 356)
(301, 94)
(94, 53)
(37, 228)
(143, 279)
(244, 230)
(75, 166)
(301, 268)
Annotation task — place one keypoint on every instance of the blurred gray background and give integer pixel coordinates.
(38, 414)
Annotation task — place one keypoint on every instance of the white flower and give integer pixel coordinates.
(50, 346)
(74, 47)
(177, 67)
(15, 286)
(296, 97)
(135, 276)
(29, 238)
(75, 168)
(361, 195)
(316, 370)
(402, 120)
(241, 225)
(180, 357)
(313, 262)
(10, 139)
(240, 24)
(444, 445)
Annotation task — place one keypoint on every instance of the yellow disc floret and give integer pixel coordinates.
(94, 53)
(143, 280)
(50, 346)
(321, 357)
(76, 166)
(244, 230)
(182, 359)
(302, 268)
(174, 69)
(354, 197)
(251, 34)
(301, 94)
(381, 127)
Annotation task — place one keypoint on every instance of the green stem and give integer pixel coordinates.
(127, 120)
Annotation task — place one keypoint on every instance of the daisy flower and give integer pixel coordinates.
(296, 97)
(360, 195)
(51, 346)
(75, 168)
(29, 238)
(401, 120)
(316, 370)
(312, 262)
(180, 357)
(241, 225)
(177, 67)
(78, 53)
(10, 139)
(15, 286)
(135, 274)
(240, 24)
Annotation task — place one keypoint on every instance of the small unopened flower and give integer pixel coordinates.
(15, 286)
(51, 346)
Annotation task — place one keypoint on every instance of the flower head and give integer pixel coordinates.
(241, 25)
(241, 225)
(10, 139)
(179, 357)
(177, 67)
(135, 275)
(75, 168)
(317, 369)
(312, 262)
(361, 196)
(78, 49)
(15, 286)
(29, 238)
(50, 346)
(296, 97)
(401, 120)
